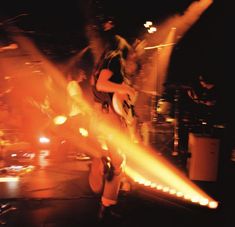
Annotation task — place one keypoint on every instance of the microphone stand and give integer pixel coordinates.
(176, 150)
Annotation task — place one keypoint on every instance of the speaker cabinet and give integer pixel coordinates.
(204, 156)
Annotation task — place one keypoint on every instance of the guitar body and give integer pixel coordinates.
(124, 106)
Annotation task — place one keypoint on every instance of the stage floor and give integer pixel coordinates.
(58, 194)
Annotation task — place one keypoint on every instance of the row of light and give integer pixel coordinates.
(195, 199)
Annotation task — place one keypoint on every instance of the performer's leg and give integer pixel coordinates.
(112, 186)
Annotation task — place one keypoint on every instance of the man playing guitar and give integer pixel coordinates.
(108, 86)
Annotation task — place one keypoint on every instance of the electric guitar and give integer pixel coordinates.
(123, 105)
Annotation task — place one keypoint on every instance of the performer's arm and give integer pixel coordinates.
(104, 84)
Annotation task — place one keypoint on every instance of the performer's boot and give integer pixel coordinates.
(109, 213)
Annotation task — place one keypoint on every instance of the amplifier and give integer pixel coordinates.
(204, 157)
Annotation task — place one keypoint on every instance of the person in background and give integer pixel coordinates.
(207, 95)
(77, 102)
(205, 99)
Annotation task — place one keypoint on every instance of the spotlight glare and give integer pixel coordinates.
(153, 185)
(179, 194)
(9, 179)
(187, 197)
(203, 201)
(159, 187)
(195, 199)
(59, 120)
(147, 183)
(141, 181)
(44, 139)
(172, 191)
(83, 132)
(152, 30)
(213, 204)
(147, 24)
(166, 189)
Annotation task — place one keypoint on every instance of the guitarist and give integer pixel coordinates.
(108, 79)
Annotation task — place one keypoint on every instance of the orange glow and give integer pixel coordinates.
(213, 204)
(59, 120)
(44, 140)
(42, 91)
(203, 202)
(172, 191)
(83, 132)
(160, 188)
(164, 54)
(159, 45)
(9, 179)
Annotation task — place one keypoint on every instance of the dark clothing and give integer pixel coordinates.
(205, 95)
(112, 63)
(206, 106)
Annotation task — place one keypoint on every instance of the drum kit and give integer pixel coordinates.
(158, 124)
(176, 113)
(165, 112)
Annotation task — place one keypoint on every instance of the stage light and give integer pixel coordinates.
(179, 194)
(166, 189)
(152, 30)
(213, 204)
(9, 179)
(203, 201)
(159, 187)
(83, 132)
(59, 120)
(147, 24)
(44, 140)
(195, 199)
(172, 191)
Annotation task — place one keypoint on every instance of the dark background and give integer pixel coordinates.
(63, 22)
(57, 27)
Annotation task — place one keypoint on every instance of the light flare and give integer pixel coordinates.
(44, 140)
(9, 179)
(152, 169)
(83, 132)
(59, 120)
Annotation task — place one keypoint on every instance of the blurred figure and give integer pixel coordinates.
(75, 91)
(78, 109)
(205, 98)
(108, 82)
(206, 95)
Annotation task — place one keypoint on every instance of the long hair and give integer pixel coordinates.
(119, 46)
